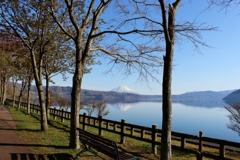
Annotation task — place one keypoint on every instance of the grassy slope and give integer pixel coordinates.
(54, 143)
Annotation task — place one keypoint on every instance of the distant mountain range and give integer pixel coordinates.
(203, 95)
(124, 94)
(119, 97)
(233, 98)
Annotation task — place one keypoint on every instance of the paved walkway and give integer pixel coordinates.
(11, 147)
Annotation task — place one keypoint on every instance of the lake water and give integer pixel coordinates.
(190, 118)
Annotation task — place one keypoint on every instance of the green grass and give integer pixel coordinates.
(54, 142)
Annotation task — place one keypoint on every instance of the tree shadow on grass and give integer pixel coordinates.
(63, 127)
(26, 156)
(32, 114)
(59, 125)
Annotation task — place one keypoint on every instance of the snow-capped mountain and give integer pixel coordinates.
(123, 89)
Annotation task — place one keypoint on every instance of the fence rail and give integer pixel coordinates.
(147, 134)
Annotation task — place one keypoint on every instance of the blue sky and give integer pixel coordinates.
(215, 68)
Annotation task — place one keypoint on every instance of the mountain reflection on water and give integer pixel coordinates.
(189, 117)
(192, 103)
(122, 106)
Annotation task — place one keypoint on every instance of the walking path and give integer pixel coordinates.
(11, 147)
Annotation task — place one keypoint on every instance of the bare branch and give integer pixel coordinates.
(141, 32)
(51, 11)
(138, 18)
(223, 4)
(234, 117)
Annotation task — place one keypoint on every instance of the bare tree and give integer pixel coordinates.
(102, 108)
(169, 34)
(77, 32)
(224, 4)
(89, 107)
(161, 15)
(234, 117)
(64, 103)
(81, 21)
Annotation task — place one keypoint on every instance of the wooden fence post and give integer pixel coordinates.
(48, 113)
(154, 138)
(123, 121)
(54, 114)
(84, 122)
(100, 132)
(183, 142)
(32, 108)
(199, 154)
(222, 150)
(80, 120)
(200, 141)
(132, 130)
(38, 111)
(62, 118)
(142, 133)
(69, 117)
(94, 122)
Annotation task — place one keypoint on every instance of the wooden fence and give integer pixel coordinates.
(147, 134)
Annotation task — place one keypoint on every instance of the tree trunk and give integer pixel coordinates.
(75, 95)
(14, 91)
(38, 80)
(4, 91)
(44, 125)
(166, 152)
(28, 96)
(19, 100)
(1, 89)
(47, 96)
(75, 98)
(169, 33)
(4, 86)
(21, 93)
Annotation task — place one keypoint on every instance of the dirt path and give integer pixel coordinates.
(11, 147)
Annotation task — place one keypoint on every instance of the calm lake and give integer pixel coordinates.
(189, 117)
